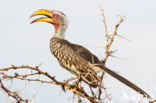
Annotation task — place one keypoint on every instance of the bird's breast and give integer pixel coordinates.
(64, 55)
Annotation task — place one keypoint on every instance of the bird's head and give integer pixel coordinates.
(57, 18)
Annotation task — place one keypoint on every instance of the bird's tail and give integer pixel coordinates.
(124, 81)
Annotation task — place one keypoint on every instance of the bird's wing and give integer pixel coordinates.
(85, 54)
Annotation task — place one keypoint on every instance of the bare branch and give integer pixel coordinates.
(111, 40)
(73, 88)
(14, 95)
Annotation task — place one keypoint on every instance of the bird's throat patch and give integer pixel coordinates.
(57, 26)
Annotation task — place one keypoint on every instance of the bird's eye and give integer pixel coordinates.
(55, 15)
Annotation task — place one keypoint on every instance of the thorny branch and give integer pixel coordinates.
(73, 88)
(109, 41)
(14, 95)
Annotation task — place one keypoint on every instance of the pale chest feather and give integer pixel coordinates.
(64, 55)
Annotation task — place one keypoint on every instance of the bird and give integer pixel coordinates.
(75, 58)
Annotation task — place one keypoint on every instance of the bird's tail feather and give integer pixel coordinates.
(124, 81)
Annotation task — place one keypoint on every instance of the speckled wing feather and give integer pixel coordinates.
(85, 53)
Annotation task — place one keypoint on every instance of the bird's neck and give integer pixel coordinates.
(60, 30)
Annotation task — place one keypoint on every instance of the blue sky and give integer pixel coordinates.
(22, 43)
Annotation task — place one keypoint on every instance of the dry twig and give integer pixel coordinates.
(108, 52)
(73, 88)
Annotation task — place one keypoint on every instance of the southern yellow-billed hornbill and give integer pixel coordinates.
(75, 58)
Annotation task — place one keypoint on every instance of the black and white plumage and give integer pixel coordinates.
(75, 58)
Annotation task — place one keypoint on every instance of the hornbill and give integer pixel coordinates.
(75, 58)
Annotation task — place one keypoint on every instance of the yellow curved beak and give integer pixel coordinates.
(44, 12)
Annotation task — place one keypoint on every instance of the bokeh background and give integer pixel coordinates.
(22, 43)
